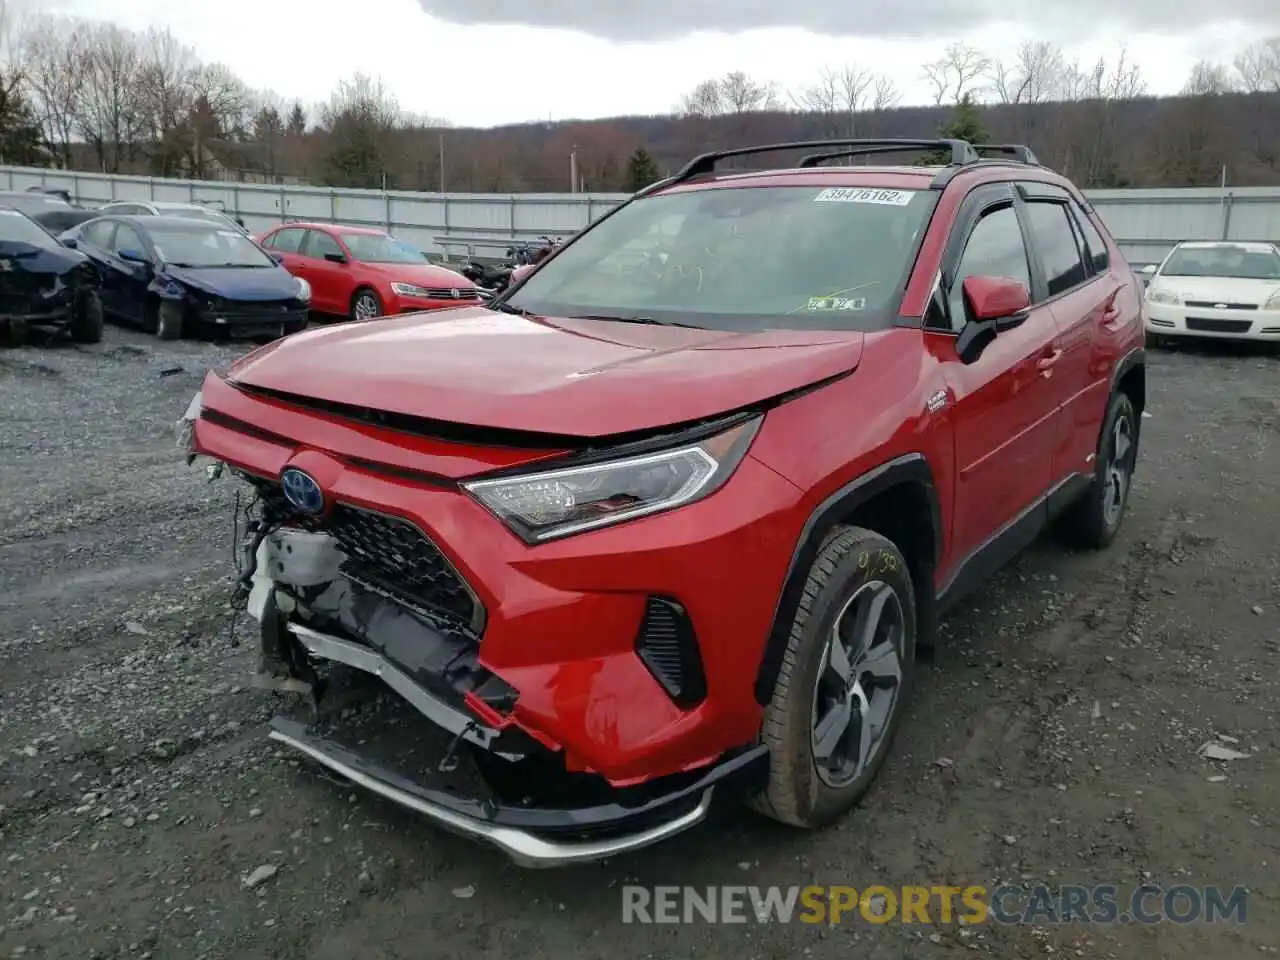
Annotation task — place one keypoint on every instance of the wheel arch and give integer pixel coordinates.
(1130, 378)
(899, 500)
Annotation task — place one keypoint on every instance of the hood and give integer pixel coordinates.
(237, 283)
(1219, 289)
(19, 255)
(578, 378)
(423, 274)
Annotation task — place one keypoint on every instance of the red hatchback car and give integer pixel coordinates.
(673, 513)
(360, 273)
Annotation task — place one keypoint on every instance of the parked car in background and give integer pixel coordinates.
(34, 203)
(60, 192)
(161, 208)
(1221, 289)
(60, 220)
(361, 273)
(178, 276)
(43, 284)
(643, 529)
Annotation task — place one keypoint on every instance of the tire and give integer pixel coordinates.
(294, 326)
(364, 300)
(1158, 341)
(15, 333)
(1093, 521)
(855, 570)
(86, 323)
(171, 321)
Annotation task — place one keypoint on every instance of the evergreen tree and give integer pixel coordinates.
(965, 124)
(642, 170)
(21, 141)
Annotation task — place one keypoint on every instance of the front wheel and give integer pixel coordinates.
(170, 321)
(844, 677)
(365, 305)
(86, 322)
(1093, 521)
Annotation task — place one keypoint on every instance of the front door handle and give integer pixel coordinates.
(1045, 363)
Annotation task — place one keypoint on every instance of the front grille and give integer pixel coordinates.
(451, 293)
(1218, 305)
(391, 556)
(1218, 326)
(237, 311)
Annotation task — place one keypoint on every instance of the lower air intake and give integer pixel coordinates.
(668, 646)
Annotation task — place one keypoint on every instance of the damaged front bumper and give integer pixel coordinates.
(317, 608)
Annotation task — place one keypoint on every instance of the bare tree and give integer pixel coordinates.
(885, 95)
(1093, 155)
(361, 119)
(735, 93)
(55, 54)
(956, 73)
(167, 77)
(839, 95)
(109, 108)
(1258, 66)
(1208, 79)
(225, 97)
(1035, 75)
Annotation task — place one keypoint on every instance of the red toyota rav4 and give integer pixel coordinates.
(672, 515)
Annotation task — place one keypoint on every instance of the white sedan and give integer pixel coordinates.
(1227, 290)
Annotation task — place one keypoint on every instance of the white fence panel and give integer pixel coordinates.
(1146, 222)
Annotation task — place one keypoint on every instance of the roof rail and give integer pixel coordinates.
(816, 159)
(1016, 150)
(961, 152)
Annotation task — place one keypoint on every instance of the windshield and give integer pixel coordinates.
(742, 258)
(192, 213)
(1227, 260)
(380, 248)
(30, 203)
(16, 228)
(200, 246)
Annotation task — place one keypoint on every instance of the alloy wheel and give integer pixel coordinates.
(1119, 470)
(859, 680)
(366, 307)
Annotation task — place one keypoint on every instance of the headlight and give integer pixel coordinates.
(410, 290)
(1156, 295)
(1273, 303)
(304, 290)
(557, 503)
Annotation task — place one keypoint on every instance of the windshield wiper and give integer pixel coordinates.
(649, 320)
(505, 307)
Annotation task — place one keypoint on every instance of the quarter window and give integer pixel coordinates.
(1093, 239)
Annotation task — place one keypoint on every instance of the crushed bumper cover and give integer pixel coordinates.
(532, 837)
(311, 613)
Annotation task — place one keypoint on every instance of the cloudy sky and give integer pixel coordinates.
(486, 62)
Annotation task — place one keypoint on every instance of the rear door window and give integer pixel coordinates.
(1062, 267)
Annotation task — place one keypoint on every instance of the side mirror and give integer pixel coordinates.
(133, 256)
(277, 257)
(993, 304)
(335, 258)
(69, 242)
(1149, 270)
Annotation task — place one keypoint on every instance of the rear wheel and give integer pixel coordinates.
(170, 321)
(14, 333)
(365, 305)
(1093, 521)
(86, 321)
(844, 677)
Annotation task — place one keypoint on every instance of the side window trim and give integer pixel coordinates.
(1085, 223)
(1040, 291)
(982, 203)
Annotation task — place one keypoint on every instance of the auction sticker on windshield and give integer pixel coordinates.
(893, 198)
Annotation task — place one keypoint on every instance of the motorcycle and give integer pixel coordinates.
(493, 279)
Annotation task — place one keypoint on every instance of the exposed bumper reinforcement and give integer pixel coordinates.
(329, 647)
(511, 828)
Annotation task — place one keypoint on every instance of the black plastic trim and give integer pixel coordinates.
(746, 769)
(912, 468)
(689, 688)
(961, 151)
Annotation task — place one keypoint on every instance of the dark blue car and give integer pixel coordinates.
(43, 284)
(177, 276)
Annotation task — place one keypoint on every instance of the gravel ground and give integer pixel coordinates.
(1054, 736)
